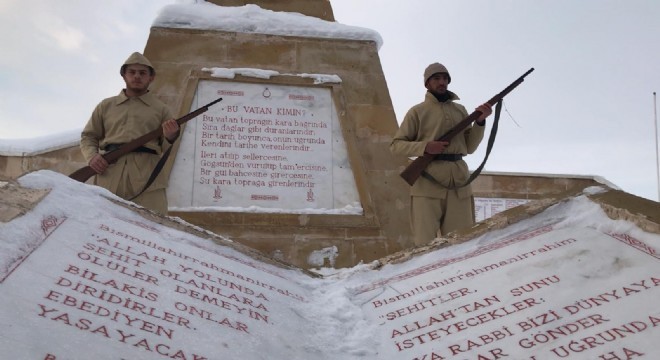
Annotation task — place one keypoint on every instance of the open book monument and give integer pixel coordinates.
(85, 276)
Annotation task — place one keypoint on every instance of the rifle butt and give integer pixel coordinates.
(409, 176)
(82, 174)
(415, 169)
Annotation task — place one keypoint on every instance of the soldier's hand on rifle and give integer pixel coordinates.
(98, 164)
(436, 147)
(486, 109)
(171, 130)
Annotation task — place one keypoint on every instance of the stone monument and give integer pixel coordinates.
(294, 160)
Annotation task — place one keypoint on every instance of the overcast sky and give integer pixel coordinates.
(587, 109)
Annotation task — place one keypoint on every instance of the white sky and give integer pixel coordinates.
(587, 109)
(572, 251)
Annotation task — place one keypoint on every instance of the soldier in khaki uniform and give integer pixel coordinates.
(125, 117)
(437, 206)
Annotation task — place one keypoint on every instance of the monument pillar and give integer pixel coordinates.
(295, 160)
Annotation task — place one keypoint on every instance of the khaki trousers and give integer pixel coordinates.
(155, 200)
(432, 217)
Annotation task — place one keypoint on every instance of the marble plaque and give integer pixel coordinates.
(266, 146)
(97, 281)
(545, 293)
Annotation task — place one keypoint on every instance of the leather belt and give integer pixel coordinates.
(142, 149)
(448, 157)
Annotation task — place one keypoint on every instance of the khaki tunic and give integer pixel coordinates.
(426, 122)
(118, 120)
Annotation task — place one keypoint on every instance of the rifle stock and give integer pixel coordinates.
(86, 172)
(415, 169)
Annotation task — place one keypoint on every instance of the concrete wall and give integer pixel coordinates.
(529, 186)
(64, 160)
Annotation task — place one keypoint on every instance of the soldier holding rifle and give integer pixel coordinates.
(439, 204)
(122, 118)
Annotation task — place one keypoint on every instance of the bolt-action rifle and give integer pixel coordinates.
(415, 169)
(111, 157)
